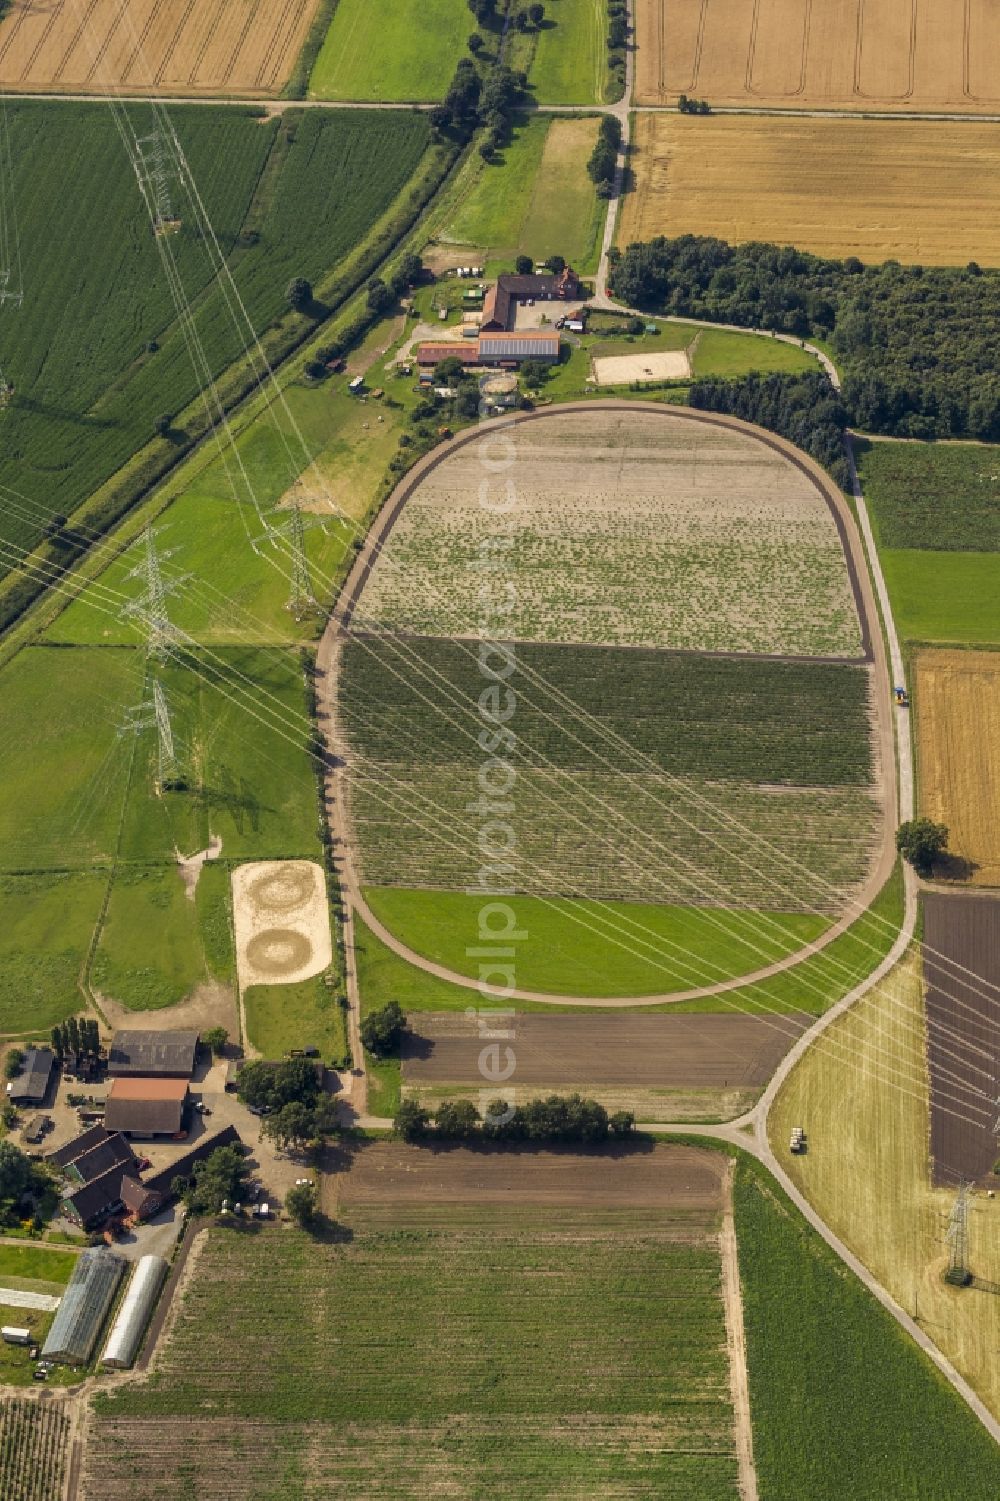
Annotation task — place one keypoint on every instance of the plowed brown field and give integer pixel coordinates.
(165, 46)
(847, 54)
(927, 194)
(958, 748)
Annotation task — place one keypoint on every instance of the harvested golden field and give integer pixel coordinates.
(958, 750)
(861, 1095)
(848, 54)
(917, 192)
(170, 46)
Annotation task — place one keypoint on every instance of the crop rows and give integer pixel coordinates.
(33, 1439)
(89, 386)
(495, 1354)
(774, 722)
(928, 495)
(637, 837)
(737, 549)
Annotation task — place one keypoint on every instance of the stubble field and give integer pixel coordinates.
(848, 54)
(162, 46)
(957, 698)
(927, 194)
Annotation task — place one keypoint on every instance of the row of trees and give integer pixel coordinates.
(556, 1120)
(803, 408)
(604, 157)
(76, 1035)
(919, 346)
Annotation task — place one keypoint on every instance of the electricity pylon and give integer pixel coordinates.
(154, 174)
(151, 714)
(150, 609)
(957, 1236)
(291, 530)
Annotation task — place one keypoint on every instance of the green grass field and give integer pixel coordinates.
(64, 765)
(19, 1264)
(473, 1335)
(280, 1017)
(46, 925)
(944, 596)
(534, 199)
(398, 50)
(812, 986)
(844, 1407)
(570, 63)
(88, 386)
(151, 953)
(717, 351)
(596, 948)
(934, 496)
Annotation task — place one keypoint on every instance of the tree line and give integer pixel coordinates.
(558, 1120)
(918, 346)
(805, 409)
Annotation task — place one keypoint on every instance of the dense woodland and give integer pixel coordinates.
(803, 408)
(918, 347)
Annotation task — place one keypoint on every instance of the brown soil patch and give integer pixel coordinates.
(666, 1051)
(156, 46)
(209, 1005)
(848, 54)
(927, 194)
(958, 755)
(962, 974)
(390, 1173)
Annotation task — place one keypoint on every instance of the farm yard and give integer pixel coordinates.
(962, 971)
(662, 1067)
(926, 195)
(701, 510)
(152, 46)
(34, 1437)
(850, 54)
(474, 1318)
(105, 354)
(957, 698)
(867, 1171)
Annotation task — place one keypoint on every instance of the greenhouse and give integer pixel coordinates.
(84, 1307)
(133, 1316)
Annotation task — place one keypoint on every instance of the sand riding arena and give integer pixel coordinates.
(281, 921)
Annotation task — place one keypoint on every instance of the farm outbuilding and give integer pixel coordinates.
(32, 1083)
(170, 1055)
(146, 1107)
(134, 1314)
(84, 1307)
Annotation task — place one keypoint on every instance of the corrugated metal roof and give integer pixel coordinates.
(84, 1307)
(164, 1052)
(133, 1315)
(33, 1080)
(518, 346)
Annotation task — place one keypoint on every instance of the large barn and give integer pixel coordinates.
(171, 1055)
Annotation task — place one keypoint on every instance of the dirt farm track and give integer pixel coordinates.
(169, 46)
(800, 54)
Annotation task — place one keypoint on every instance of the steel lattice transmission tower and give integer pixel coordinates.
(291, 530)
(150, 609)
(152, 714)
(957, 1236)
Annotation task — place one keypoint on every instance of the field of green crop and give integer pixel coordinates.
(654, 777)
(280, 1017)
(535, 198)
(932, 496)
(570, 64)
(944, 596)
(88, 386)
(396, 51)
(844, 1407)
(471, 1340)
(33, 1441)
(46, 924)
(597, 948)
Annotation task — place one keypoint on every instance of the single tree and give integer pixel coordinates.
(556, 264)
(163, 424)
(533, 374)
(73, 1033)
(921, 841)
(622, 1123)
(411, 1121)
(300, 1201)
(215, 1040)
(475, 44)
(13, 1063)
(487, 151)
(524, 265)
(382, 1029)
(299, 294)
(380, 298)
(537, 13)
(56, 1038)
